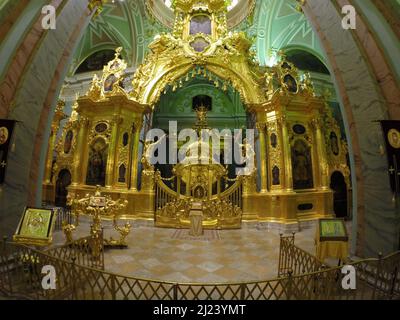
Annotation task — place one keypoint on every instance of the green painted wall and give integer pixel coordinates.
(227, 111)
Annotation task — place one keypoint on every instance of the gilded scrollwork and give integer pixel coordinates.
(106, 134)
(278, 97)
(111, 79)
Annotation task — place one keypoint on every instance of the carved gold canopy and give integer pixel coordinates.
(200, 45)
(213, 6)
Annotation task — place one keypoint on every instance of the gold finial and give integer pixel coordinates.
(211, 5)
(74, 114)
(201, 112)
(98, 191)
(118, 52)
(60, 105)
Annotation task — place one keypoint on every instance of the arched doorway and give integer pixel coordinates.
(63, 181)
(339, 187)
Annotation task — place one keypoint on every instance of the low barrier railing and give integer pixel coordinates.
(294, 259)
(86, 251)
(20, 275)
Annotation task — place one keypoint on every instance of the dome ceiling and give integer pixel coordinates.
(132, 24)
(238, 11)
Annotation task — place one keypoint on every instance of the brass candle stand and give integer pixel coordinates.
(97, 207)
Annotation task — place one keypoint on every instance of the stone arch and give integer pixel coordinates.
(108, 48)
(289, 50)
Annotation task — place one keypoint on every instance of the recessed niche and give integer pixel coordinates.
(305, 207)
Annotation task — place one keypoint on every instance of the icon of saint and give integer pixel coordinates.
(3, 135)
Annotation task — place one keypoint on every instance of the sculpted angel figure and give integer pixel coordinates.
(148, 152)
(248, 154)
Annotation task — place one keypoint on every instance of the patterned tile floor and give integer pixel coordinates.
(249, 254)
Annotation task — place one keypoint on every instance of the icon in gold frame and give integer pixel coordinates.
(36, 227)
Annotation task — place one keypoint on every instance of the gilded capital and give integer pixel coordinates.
(137, 125)
(84, 122)
(281, 120)
(316, 123)
(117, 120)
(261, 126)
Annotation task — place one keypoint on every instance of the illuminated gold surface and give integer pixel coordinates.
(277, 98)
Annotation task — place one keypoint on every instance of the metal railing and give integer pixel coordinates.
(20, 275)
(82, 250)
(311, 279)
(295, 260)
(63, 214)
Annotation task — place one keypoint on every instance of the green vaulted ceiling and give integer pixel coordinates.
(125, 24)
(274, 25)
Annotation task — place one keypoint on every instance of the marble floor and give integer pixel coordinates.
(249, 254)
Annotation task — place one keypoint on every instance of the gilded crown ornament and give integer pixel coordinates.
(195, 5)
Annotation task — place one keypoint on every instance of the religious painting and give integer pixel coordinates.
(3, 135)
(290, 83)
(96, 61)
(68, 142)
(276, 180)
(332, 230)
(199, 44)
(274, 140)
(200, 24)
(97, 202)
(199, 192)
(334, 144)
(36, 226)
(6, 131)
(391, 134)
(109, 83)
(125, 139)
(101, 127)
(394, 138)
(299, 129)
(97, 164)
(302, 165)
(122, 174)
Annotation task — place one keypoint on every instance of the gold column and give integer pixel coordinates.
(58, 117)
(77, 162)
(112, 151)
(261, 127)
(210, 184)
(178, 186)
(189, 182)
(135, 157)
(275, 155)
(321, 155)
(287, 154)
